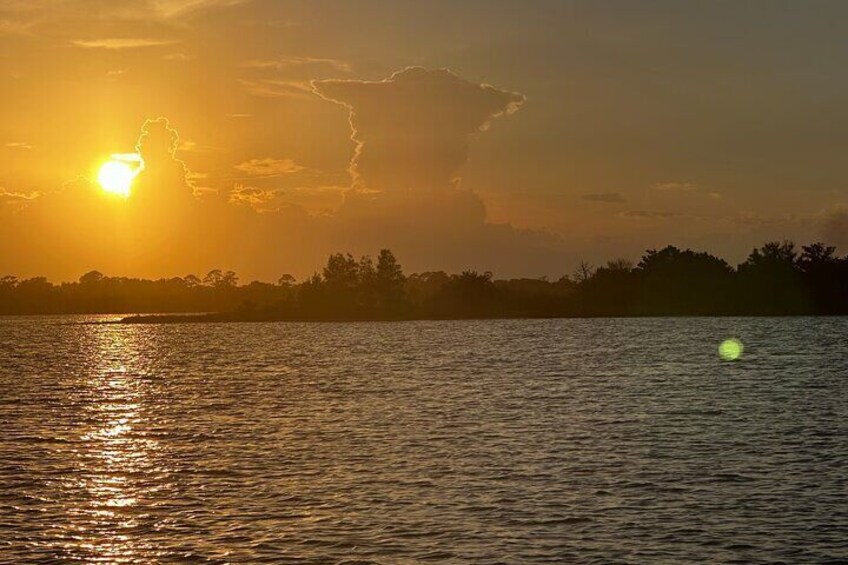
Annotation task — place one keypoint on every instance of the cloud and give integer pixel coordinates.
(182, 57)
(189, 146)
(20, 16)
(17, 19)
(310, 199)
(258, 198)
(608, 197)
(121, 43)
(835, 227)
(16, 200)
(165, 176)
(747, 218)
(18, 145)
(269, 167)
(302, 64)
(411, 130)
(175, 8)
(675, 186)
(157, 137)
(649, 214)
(278, 88)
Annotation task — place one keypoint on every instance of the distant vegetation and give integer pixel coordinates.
(776, 279)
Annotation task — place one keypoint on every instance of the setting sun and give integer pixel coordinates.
(117, 174)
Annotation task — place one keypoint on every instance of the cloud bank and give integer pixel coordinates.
(411, 135)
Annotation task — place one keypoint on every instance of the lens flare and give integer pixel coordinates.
(730, 349)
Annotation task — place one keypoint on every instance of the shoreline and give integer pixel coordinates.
(231, 318)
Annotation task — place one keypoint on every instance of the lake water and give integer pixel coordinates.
(548, 441)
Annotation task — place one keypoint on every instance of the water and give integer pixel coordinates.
(556, 441)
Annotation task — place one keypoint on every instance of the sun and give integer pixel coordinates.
(116, 175)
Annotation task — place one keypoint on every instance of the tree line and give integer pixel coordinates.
(775, 279)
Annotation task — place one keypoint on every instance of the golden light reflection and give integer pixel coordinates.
(117, 455)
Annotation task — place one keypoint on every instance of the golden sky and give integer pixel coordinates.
(516, 137)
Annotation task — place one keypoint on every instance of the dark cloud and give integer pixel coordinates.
(411, 130)
(158, 140)
(165, 177)
(412, 134)
(608, 197)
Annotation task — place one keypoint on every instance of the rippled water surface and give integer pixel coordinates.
(558, 441)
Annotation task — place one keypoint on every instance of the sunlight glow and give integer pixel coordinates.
(117, 174)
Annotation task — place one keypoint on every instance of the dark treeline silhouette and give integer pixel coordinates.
(776, 279)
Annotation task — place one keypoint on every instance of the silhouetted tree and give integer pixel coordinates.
(620, 265)
(192, 281)
(824, 278)
(675, 282)
(770, 281)
(583, 272)
(422, 288)
(92, 277)
(213, 278)
(341, 272)
(229, 279)
(470, 294)
(286, 280)
(608, 291)
(774, 280)
(388, 285)
(35, 295)
(389, 271)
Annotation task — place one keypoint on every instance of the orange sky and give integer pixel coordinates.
(275, 132)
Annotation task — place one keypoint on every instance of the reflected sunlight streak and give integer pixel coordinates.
(115, 454)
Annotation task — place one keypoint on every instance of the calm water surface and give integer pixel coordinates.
(607, 441)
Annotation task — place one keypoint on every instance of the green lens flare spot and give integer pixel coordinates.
(730, 349)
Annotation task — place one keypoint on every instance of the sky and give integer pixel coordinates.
(515, 137)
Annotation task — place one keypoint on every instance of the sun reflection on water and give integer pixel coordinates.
(116, 454)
